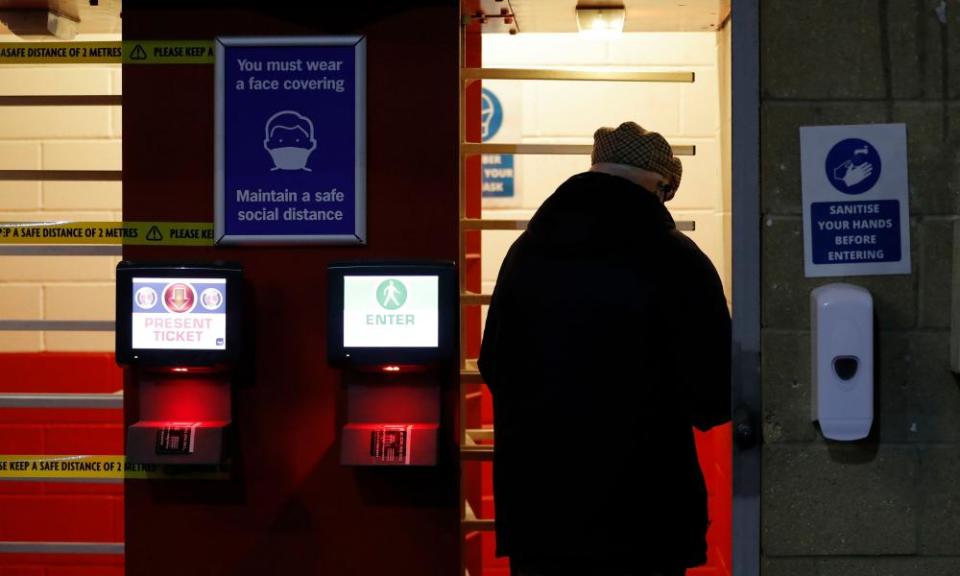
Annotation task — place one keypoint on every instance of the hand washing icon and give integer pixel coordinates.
(853, 166)
(855, 170)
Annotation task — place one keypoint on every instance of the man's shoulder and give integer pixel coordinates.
(683, 253)
(680, 243)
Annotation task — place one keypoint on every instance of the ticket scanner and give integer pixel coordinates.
(392, 329)
(178, 333)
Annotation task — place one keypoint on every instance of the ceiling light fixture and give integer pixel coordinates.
(603, 21)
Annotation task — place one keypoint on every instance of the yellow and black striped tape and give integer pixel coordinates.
(168, 52)
(127, 52)
(80, 468)
(108, 233)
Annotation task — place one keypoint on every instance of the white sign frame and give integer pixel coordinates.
(891, 184)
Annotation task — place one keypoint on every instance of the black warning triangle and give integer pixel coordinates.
(154, 234)
(138, 53)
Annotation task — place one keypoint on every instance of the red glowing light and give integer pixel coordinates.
(391, 368)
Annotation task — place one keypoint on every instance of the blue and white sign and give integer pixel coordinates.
(856, 212)
(179, 314)
(491, 114)
(290, 140)
(497, 170)
(497, 173)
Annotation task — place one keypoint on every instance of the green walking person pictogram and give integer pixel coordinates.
(391, 294)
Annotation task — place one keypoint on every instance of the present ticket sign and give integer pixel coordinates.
(290, 140)
(856, 212)
(179, 314)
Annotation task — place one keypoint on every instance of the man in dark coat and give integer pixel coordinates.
(607, 340)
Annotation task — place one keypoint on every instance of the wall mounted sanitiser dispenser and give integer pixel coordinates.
(841, 327)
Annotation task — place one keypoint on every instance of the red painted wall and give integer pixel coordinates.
(60, 511)
(291, 508)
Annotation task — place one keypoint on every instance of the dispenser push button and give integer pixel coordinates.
(846, 366)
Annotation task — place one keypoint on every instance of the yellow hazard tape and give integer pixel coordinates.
(60, 52)
(108, 233)
(129, 52)
(168, 52)
(16, 467)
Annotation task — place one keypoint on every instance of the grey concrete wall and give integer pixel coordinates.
(890, 506)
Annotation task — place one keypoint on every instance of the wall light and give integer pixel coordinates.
(601, 20)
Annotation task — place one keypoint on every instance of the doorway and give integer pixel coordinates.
(544, 89)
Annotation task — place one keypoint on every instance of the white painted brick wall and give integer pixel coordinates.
(116, 122)
(23, 301)
(60, 301)
(57, 80)
(54, 122)
(495, 245)
(18, 155)
(81, 155)
(52, 270)
(78, 341)
(701, 185)
(538, 176)
(21, 341)
(20, 195)
(59, 215)
(99, 196)
(569, 113)
(116, 81)
(59, 138)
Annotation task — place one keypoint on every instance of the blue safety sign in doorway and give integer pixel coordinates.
(290, 140)
(856, 218)
(497, 173)
(491, 114)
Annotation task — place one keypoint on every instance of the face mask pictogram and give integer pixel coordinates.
(289, 139)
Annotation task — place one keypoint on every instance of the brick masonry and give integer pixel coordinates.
(890, 505)
(58, 138)
(59, 288)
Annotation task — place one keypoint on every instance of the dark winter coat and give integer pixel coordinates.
(607, 339)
